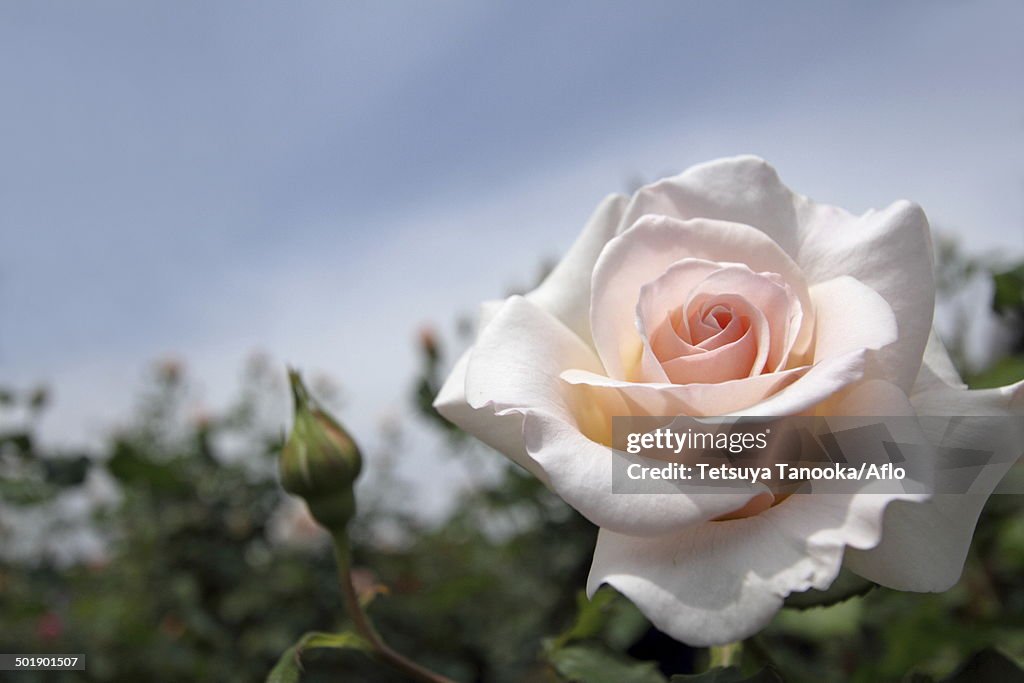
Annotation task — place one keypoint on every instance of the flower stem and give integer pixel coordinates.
(361, 622)
(726, 655)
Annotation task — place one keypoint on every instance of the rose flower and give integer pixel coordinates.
(720, 292)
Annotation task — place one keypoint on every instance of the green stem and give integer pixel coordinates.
(364, 627)
(726, 655)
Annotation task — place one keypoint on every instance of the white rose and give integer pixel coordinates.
(720, 291)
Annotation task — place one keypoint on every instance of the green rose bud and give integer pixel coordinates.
(320, 462)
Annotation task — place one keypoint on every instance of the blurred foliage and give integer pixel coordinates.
(191, 585)
(187, 580)
(202, 569)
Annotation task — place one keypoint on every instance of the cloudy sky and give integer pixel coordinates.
(316, 180)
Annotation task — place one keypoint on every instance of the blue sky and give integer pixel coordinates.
(318, 179)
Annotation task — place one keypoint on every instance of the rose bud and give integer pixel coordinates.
(320, 461)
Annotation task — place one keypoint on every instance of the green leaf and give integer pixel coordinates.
(591, 615)
(346, 640)
(132, 468)
(821, 624)
(728, 675)
(1004, 371)
(586, 664)
(624, 626)
(988, 666)
(847, 585)
(1008, 290)
(289, 668)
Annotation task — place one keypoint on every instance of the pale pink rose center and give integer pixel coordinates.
(708, 323)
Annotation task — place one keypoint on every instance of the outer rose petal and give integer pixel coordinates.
(889, 250)
(565, 292)
(925, 544)
(937, 370)
(710, 584)
(850, 316)
(514, 372)
(723, 581)
(580, 472)
(723, 398)
(502, 433)
(743, 189)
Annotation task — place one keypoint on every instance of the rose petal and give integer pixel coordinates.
(667, 344)
(502, 433)
(648, 249)
(723, 398)
(580, 471)
(849, 316)
(816, 385)
(720, 354)
(743, 189)
(565, 292)
(518, 358)
(745, 357)
(766, 293)
(925, 544)
(937, 370)
(655, 300)
(720, 335)
(889, 251)
(723, 581)
(514, 371)
(735, 360)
